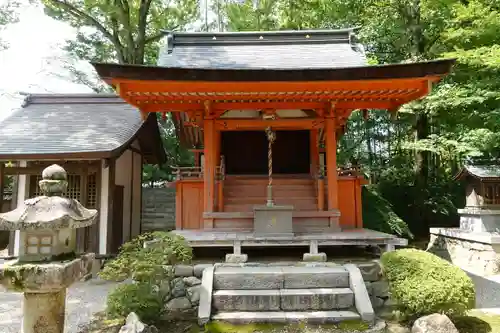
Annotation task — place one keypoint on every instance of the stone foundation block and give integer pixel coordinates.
(315, 277)
(314, 257)
(246, 300)
(316, 299)
(236, 258)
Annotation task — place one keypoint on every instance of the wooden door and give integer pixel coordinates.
(117, 228)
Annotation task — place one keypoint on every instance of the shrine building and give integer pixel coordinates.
(262, 112)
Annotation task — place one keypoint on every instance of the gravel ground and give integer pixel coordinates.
(83, 300)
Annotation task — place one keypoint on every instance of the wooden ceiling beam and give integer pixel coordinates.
(257, 124)
(357, 104)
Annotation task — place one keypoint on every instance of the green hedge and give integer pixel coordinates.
(422, 283)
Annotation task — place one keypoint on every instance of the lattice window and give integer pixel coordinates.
(72, 192)
(492, 194)
(92, 191)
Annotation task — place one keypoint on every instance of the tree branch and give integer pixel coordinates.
(72, 10)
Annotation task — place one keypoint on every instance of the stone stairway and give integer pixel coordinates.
(284, 294)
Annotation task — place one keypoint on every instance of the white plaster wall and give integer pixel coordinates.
(103, 213)
(136, 194)
(123, 177)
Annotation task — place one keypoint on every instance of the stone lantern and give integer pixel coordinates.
(47, 262)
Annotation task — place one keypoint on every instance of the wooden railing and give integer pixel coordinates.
(195, 172)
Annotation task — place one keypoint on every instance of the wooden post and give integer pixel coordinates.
(331, 162)
(314, 151)
(220, 195)
(111, 194)
(210, 166)
(2, 183)
(82, 237)
(359, 206)
(321, 193)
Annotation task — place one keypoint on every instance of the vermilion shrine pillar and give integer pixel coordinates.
(331, 162)
(210, 151)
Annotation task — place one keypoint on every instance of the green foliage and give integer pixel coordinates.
(137, 297)
(146, 267)
(379, 215)
(422, 283)
(146, 264)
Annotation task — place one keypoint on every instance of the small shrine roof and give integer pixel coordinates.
(305, 49)
(479, 171)
(76, 125)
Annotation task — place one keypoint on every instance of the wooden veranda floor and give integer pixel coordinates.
(228, 238)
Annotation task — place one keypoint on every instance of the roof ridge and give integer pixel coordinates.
(71, 98)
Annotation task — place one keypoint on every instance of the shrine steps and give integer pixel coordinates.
(242, 193)
(242, 294)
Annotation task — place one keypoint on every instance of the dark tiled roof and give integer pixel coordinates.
(480, 171)
(262, 50)
(65, 124)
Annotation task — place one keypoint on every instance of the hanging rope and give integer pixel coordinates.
(271, 137)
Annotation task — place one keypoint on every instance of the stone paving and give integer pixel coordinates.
(83, 299)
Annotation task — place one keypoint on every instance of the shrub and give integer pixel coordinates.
(146, 264)
(137, 297)
(379, 215)
(146, 267)
(421, 283)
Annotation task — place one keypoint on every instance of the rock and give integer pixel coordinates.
(134, 325)
(434, 323)
(396, 328)
(380, 288)
(164, 289)
(178, 288)
(377, 302)
(183, 270)
(194, 294)
(198, 269)
(191, 281)
(369, 288)
(178, 304)
(370, 271)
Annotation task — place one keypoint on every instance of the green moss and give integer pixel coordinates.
(478, 322)
(63, 257)
(224, 327)
(353, 325)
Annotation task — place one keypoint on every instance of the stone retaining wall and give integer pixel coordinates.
(479, 258)
(184, 289)
(158, 209)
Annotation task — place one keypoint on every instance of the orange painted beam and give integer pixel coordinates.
(268, 86)
(248, 124)
(283, 105)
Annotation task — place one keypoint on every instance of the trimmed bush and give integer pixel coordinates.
(146, 264)
(147, 268)
(139, 298)
(421, 284)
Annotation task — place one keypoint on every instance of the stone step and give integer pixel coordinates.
(283, 299)
(313, 317)
(244, 278)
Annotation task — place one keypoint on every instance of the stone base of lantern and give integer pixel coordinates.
(475, 252)
(44, 277)
(44, 312)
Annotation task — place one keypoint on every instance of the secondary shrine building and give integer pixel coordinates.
(230, 93)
